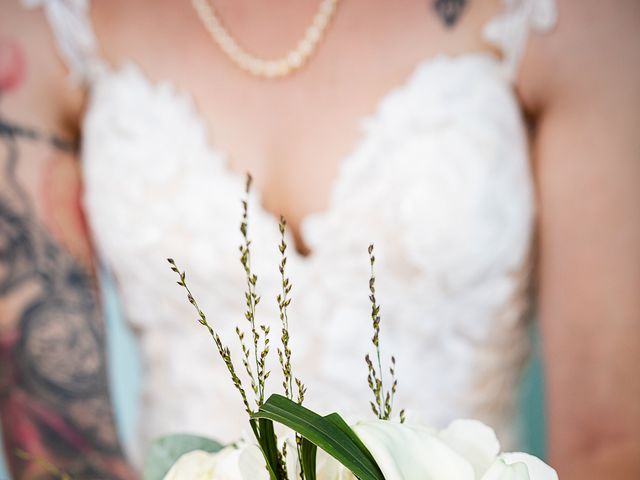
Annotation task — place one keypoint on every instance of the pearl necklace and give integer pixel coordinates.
(277, 68)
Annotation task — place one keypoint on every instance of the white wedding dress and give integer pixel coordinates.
(440, 181)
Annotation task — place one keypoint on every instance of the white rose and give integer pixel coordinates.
(236, 462)
(516, 466)
(466, 450)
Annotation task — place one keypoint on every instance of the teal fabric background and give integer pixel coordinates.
(125, 373)
(532, 415)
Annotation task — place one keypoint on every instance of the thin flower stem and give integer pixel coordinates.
(222, 349)
(283, 303)
(284, 300)
(375, 318)
(246, 353)
(252, 300)
(382, 404)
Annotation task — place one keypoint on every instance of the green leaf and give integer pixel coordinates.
(323, 433)
(165, 451)
(269, 446)
(338, 421)
(308, 453)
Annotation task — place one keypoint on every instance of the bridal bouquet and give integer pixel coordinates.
(325, 447)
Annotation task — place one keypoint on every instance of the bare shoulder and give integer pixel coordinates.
(34, 85)
(595, 46)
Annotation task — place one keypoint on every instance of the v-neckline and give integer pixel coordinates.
(300, 239)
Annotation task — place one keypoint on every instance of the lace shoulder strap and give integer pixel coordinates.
(509, 31)
(71, 26)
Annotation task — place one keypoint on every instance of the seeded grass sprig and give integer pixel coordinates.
(284, 300)
(382, 404)
(260, 350)
(262, 428)
(284, 354)
(252, 299)
(246, 361)
(223, 350)
(313, 431)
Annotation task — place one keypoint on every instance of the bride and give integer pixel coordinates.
(447, 132)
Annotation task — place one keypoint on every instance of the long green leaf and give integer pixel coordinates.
(322, 433)
(339, 422)
(308, 453)
(269, 447)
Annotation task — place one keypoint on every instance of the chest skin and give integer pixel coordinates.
(291, 134)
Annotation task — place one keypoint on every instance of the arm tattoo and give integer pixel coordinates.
(449, 11)
(54, 393)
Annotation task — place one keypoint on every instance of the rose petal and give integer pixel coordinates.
(235, 462)
(500, 470)
(251, 463)
(475, 441)
(197, 464)
(405, 451)
(538, 470)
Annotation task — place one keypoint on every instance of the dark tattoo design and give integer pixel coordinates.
(54, 393)
(449, 11)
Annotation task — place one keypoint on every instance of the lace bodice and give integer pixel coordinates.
(440, 182)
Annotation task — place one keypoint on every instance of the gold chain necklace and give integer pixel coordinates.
(277, 68)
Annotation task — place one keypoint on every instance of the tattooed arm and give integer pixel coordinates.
(54, 396)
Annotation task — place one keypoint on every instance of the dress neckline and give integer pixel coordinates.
(130, 67)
